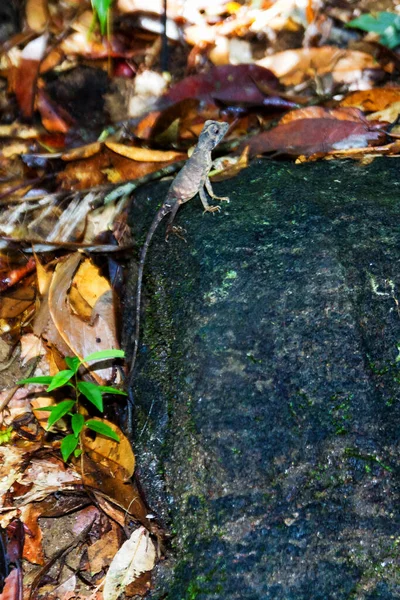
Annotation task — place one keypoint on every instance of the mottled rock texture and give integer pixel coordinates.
(267, 390)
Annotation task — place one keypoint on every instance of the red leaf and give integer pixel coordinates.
(228, 83)
(13, 586)
(26, 78)
(54, 118)
(309, 132)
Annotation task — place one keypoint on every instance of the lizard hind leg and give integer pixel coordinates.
(174, 229)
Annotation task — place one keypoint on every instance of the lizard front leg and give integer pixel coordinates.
(211, 191)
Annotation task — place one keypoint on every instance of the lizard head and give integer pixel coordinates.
(211, 134)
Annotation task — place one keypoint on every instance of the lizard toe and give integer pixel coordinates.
(175, 230)
(212, 209)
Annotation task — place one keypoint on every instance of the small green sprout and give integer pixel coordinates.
(70, 406)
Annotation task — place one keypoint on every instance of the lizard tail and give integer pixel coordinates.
(143, 254)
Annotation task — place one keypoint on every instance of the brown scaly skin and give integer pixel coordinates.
(191, 180)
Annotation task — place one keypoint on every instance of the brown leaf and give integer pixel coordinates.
(84, 174)
(31, 347)
(232, 167)
(312, 135)
(113, 492)
(319, 112)
(101, 553)
(183, 113)
(139, 587)
(33, 549)
(372, 100)
(37, 14)
(367, 154)
(15, 275)
(54, 117)
(45, 476)
(145, 154)
(116, 456)
(293, 67)
(81, 337)
(124, 169)
(17, 306)
(387, 115)
(136, 556)
(25, 85)
(88, 287)
(82, 152)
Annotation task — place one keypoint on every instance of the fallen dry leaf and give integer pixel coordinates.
(81, 337)
(233, 82)
(17, 130)
(387, 115)
(101, 553)
(118, 457)
(316, 130)
(116, 497)
(31, 347)
(293, 67)
(13, 586)
(82, 152)
(25, 84)
(33, 549)
(319, 112)
(43, 477)
(145, 154)
(37, 14)
(366, 154)
(11, 459)
(135, 556)
(54, 117)
(87, 288)
(373, 100)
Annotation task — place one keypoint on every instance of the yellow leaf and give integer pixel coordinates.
(144, 154)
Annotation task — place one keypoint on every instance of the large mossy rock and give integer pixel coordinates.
(267, 389)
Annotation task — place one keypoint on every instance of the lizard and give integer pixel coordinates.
(190, 181)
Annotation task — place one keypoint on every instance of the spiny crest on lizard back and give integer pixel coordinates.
(212, 134)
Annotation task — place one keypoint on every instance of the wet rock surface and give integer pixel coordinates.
(267, 388)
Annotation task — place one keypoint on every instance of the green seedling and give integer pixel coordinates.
(385, 24)
(5, 435)
(70, 407)
(101, 10)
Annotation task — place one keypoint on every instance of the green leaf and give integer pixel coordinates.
(106, 389)
(102, 428)
(103, 354)
(68, 445)
(92, 393)
(59, 411)
(46, 379)
(60, 379)
(5, 436)
(386, 24)
(77, 422)
(77, 452)
(391, 38)
(73, 363)
(101, 7)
